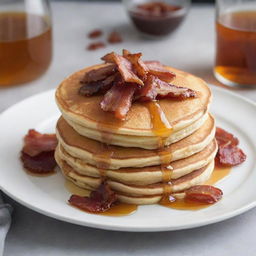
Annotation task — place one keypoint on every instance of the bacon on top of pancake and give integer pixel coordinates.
(126, 78)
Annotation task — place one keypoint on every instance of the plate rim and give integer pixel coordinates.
(132, 228)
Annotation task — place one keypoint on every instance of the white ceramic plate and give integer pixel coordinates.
(48, 195)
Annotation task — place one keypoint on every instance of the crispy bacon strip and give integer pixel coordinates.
(124, 66)
(225, 138)
(101, 86)
(36, 143)
(137, 63)
(119, 99)
(42, 163)
(141, 81)
(99, 74)
(99, 201)
(155, 88)
(229, 154)
(159, 70)
(205, 194)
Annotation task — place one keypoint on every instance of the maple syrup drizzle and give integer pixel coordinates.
(166, 173)
(160, 125)
(162, 129)
(218, 174)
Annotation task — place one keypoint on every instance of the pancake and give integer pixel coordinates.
(131, 192)
(86, 111)
(147, 142)
(115, 157)
(146, 175)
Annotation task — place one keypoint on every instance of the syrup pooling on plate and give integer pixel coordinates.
(121, 209)
(218, 174)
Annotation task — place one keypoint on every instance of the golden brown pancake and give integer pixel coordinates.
(115, 157)
(145, 175)
(86, 111)
(125, 191)
(147, 142)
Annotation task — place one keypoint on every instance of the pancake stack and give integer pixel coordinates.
(162, 147)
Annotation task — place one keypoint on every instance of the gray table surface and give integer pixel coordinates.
(191, 48)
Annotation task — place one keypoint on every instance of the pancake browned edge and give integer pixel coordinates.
(87, 118)
(144, 175)
(91, 151)
(146, 194)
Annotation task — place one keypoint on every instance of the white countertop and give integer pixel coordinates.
(191, 48)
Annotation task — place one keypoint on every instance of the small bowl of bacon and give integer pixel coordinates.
(157, 18)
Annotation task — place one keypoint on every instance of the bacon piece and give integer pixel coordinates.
(229, 154)
(205, 194)
(119, 99)
(159, 70)
(95, 33)
(101, 86)
(124, 66)
(95, 46)
(154, 88)
(98, 74)
(137, 63)
(36, 143)
(225, 138)
(42, 163)
(99, 201)
(114, 37)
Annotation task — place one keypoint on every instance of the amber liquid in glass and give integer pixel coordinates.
(25, 47)
(236, 47)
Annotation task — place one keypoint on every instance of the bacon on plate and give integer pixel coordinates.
(36, 143)
(99, 201)
(37, 154)
(42, 163)
(204, 194)
(229, 154)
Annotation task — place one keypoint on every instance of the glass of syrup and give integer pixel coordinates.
(235, 63)
(25, 40)
(156, 18)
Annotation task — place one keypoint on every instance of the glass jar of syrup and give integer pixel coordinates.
(25, 40)
(157, 18)
(235, 63)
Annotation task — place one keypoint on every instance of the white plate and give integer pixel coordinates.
(48, 195)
